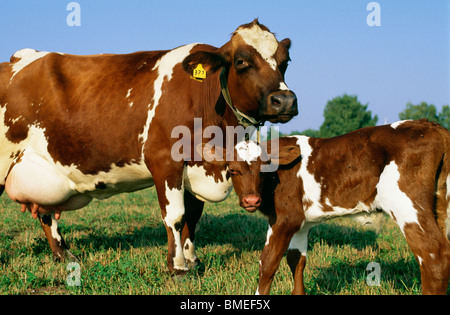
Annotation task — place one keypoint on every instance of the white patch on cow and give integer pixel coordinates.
(263, 41)
(269, 234)
(174, 215)
(54, 228)
(283, 87)
(204, 187)
(129, 93)
(8, 149)
(300, 239)
(420, 259)
(130, 103)
(26, 57)
(392, 200)
(189, 253)
(312, 189)
(339, 211)
(34, 179)
(248, 151)
(398, 123)
(117, 179)
(165, 67)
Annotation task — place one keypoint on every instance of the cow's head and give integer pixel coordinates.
(244, 166)
(253, 63)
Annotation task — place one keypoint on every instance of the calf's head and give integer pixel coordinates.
(245, 166)
(254, 63)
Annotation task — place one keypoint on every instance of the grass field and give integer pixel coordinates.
(122, 246)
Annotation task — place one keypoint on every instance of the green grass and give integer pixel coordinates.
(122, 246)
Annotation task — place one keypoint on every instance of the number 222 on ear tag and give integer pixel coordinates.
(199, 73)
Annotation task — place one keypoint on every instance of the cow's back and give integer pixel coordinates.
(89, 107)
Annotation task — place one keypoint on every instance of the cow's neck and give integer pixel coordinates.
(218, 109)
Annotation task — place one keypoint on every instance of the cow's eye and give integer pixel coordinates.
(233, 171)
(241, 64)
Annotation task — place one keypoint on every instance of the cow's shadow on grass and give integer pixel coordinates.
(242, 231)
(247, 232)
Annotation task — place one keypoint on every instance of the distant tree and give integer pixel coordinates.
(428, 111)
(416, 112)
(444, 116)
(344, 114)
(308, 132)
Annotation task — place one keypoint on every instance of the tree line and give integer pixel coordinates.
(345, 113)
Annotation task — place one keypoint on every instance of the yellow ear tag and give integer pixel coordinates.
(199, 73)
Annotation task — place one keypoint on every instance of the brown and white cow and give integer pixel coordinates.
(74, 128)
(402, 169)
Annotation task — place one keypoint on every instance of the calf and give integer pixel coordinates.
(401, 169)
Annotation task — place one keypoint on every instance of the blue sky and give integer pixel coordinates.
(334, 51)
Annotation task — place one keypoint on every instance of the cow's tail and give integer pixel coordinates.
(443, 186)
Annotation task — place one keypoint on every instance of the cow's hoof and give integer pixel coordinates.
(67, 256)
(193, 264)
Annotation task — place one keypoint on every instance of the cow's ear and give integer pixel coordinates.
(286, 43)
(209, 61)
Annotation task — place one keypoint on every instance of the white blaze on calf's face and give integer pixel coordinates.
(248, 151)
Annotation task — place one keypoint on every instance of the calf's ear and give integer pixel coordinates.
(285, 154)
(288, 154)
(210, 62)
(211, 154)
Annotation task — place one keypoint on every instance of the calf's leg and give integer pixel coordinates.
(296, 258)
(278, 237)
(432, 251)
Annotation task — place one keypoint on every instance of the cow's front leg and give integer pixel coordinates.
(278, 237)
(174, 220)
(57, 244)
(194, 210)
(171, 201)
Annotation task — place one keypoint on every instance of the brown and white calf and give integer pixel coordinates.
(401, 169)
(74, 128)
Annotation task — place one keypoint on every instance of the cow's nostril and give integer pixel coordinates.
(252, 201)
(275, 101)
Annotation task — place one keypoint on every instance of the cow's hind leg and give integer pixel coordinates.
(428, 244)
(432, 251)
(193, 212)
(57, 244)
(296, 258)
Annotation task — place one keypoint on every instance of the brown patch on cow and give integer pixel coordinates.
(17, 132)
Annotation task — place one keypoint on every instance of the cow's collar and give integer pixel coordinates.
(243, 119)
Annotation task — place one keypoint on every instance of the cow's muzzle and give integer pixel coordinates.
(281, 106)
(250, 202)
